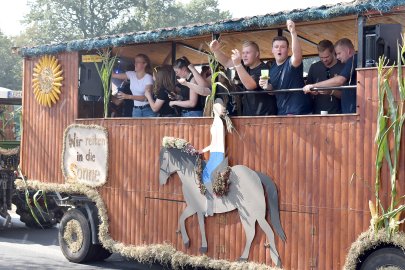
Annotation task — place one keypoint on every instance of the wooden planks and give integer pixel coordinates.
(43, 127)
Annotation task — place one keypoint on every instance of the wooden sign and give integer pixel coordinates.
(91, 58)
(85, 155)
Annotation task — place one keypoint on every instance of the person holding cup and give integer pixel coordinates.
(287, 73)
(248, 66)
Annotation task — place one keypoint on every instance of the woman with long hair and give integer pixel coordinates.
(191, 103)
(164, 87)
(140, 81)
(216, 148)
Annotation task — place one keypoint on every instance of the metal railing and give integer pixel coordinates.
(337, 88)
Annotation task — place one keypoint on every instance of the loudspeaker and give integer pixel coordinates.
(378, 40)
(90, 82)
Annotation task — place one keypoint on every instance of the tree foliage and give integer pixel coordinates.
(62, 20)
(169, 13)
(11, 65)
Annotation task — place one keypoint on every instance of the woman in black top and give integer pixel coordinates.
(191, 103)
(163, 87)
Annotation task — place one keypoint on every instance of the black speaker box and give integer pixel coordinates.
(381, 39)
(90, 82)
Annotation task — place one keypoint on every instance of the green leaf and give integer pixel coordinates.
(28, 200)
(390, 120)
(35, 198)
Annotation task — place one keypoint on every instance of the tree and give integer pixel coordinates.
(169, 13)
(11, 65)
(202, 11)
(154, 14)
(63, 20)
(56, 21)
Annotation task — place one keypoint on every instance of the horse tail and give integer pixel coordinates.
(272, 198)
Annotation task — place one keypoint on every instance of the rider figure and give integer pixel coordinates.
(217, 150)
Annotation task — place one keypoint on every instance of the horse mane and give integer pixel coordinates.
(180, 144)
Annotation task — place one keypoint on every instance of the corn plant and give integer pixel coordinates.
(390, 120)
(216, 72)
(107, 64)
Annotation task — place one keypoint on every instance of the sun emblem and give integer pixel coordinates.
(47, 80)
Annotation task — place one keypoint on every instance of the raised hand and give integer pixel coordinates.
(214, 45)
(291, 26)
(236, 57)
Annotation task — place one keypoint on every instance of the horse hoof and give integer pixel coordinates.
(203, 250)
(242, 259)
(187, 244)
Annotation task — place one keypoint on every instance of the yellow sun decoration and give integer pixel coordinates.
(47, 80)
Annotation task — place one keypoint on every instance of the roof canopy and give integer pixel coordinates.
(312, 24)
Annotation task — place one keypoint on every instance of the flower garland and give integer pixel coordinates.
(186, 147)
(220, 187)
(181, 144)
(198, 172)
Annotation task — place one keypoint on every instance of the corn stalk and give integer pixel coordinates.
(390, 120)
(107, 64)
(215, 71)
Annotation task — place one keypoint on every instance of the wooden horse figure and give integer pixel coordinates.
(245, 194)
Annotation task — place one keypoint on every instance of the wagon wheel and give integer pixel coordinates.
(385, 258)
(75, 237)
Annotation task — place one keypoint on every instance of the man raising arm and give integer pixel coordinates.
(249, 74)
(287, 73)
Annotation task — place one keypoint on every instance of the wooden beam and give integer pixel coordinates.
(361, 22)
(193, 48)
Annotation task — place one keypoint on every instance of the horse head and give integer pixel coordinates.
(166, 168)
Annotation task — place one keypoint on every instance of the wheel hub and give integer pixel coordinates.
(73, 235)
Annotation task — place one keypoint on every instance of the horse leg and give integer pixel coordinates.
(248, 224)
(204, 246)
(270, 235)
(186, 213)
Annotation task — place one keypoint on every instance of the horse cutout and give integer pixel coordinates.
(245, 194)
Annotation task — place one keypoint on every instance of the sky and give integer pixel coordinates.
(12, 12)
